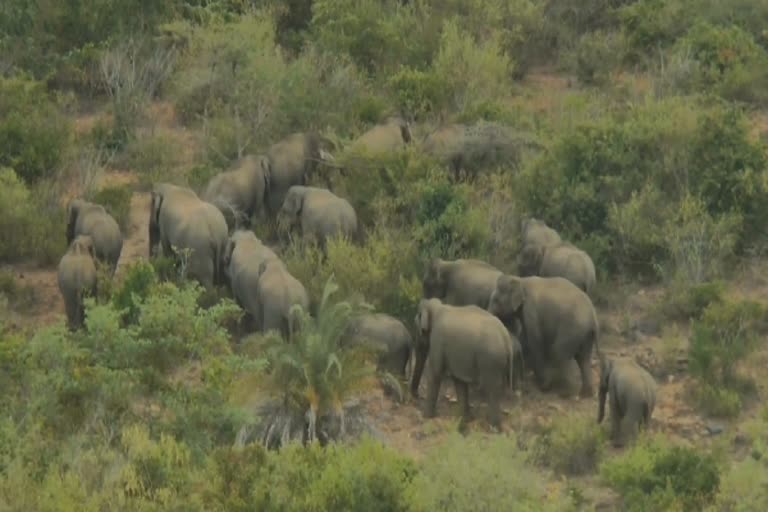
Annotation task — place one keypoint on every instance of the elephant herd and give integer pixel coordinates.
(475, 324)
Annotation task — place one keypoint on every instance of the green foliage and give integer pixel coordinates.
(26, 234)
(657, 475)
(596, 56)
(572, 446)
(725, 335)
(139, 279)
(478, 473)
(417, 92)
(690, 301)
(310, 370)
(34, 134)
(117, 201)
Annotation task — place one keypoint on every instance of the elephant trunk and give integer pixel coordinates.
(421, 358)
(601, 407)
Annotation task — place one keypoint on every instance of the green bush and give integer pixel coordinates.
(477, 473)
(117, 201)
(134, 289)
(35, 133)
(684, 301)
(657, 475)
(572, 446)
(28, 235)
(596, 56)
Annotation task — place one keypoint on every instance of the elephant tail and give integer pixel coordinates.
(596, 332)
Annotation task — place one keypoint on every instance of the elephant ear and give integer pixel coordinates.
(423, 318)
(512, 291)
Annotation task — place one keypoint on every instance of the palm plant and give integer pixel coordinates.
(312, 372)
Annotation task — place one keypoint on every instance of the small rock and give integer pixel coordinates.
(648, 326)
(715, 429)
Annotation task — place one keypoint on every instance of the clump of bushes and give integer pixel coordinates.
(657, 475)
(117, 201)
(724, 336)
(572, 446)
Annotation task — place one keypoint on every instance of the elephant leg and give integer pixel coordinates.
(616, 422)
(462, 393)
(434, 379)
(542, 379)
(584, 360)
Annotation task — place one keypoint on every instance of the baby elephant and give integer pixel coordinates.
(77, 278)
(386, 332)
(633, 396)
(561, 260)
(92, 219)
(467, 344)
(319, 213)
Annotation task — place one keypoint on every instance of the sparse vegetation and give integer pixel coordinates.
(640, 136)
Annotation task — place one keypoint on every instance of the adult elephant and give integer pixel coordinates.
(562, 260)
(557, 322)
(388, 334)
(243, 255)
(388, 136)
(471, 148)
(179, 220)
(277, 293)
(632, 393)
(93, 220)
(240, 193)
(319, 213)
(76, 277)
(293, 161)
(461, 282)
(467, 344)
(536, 232)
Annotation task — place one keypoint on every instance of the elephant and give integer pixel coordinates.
(240, 192)
(386, 332)
(277, 292)
(77, 278)
(632, 393)
(468, 344)
(461, 282)
(293, 161)
(562, 260)
(557, 320)
(536, 232)
(470, 148)
(394, 133)
(92, 219)
(180, 219)
(319, 213)
(243, 255)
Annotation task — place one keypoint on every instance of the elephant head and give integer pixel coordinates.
(529, 260)
(434, 282)
(507, 299)
(73, 211)
(606, 367)
(423, 320)
(293, 204)
(82, 244)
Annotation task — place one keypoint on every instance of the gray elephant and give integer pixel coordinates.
(240, 192)
(392, 134)
(467, 344)
(319, 213)
(562, 260)
(92, 219)
(557, 323)
(77, 278)
(180, 219)
(461, 282)
(277, 293)
(243, 255)
(387, 333)
(471, 148)
(293, 161)
(536, 232)
(632, 393)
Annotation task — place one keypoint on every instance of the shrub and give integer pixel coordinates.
(417, 92)
(117, 201)
(477, 473)
(311, 371)
(139, 279)
(684, 301)
(26, 234)
(35, 133)
(656, 475)
(595, 56)
(572, 446)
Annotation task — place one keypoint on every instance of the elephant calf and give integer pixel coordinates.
(632, 393)
(277, 292)
(467, 344)
(462, 282)
(386, 332)
(77, 278)
(93, 220)
(561, 260)
(320, 213)
(391, 135)
(240, 192)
